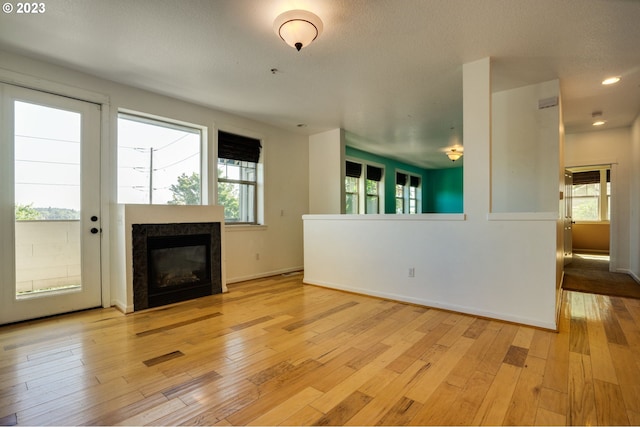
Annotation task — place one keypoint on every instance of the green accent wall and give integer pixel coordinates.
(441, 188)
(445, 191)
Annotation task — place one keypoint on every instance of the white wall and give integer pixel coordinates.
(326, 172)
(524, 149)
(610, 147)
(634, 202)
(499, 265)
(476, 267)
(251, 251)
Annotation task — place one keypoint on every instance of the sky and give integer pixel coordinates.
(47, 156)
(176, 150)
(48, 151)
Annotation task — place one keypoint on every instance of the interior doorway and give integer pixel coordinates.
(591, 209)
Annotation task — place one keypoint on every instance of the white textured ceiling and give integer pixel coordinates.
(387, 71)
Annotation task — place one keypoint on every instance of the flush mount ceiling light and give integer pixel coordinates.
(597, 118)
(454, 154)
(298, 28)
(611, 80)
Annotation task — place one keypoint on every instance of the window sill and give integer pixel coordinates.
(385, 217)
(245, 227)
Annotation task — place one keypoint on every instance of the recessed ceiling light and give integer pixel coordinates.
(611, 80)
(597, 120)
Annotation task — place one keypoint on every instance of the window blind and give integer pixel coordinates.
(374, 173)
(589, 177)
(353, 170)
(401, 179)
(415, 181)
(237, 147)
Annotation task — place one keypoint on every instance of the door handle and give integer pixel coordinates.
(94, 218)
(94, 230)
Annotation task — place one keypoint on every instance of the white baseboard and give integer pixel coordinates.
(129, 309)
(436, 304)
(263, 274)
(124, 308)
(590, 251)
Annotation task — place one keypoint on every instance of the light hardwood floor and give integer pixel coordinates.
(274, 351)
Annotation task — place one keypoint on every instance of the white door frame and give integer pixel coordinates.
(613, 213)
(107, 192)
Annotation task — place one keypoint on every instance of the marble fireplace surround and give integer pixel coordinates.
(122, 292)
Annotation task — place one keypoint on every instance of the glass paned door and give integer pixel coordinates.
(51, 193)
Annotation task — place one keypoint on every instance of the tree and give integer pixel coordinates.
(228, 197)
(27, 213)
(186, 191)
(64, 214)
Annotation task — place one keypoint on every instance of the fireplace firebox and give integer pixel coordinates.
(178, 266)
(175, 262)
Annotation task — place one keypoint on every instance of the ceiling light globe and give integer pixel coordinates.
(298, 28)
(454, 154)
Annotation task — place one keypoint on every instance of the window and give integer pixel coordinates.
(591, 195)
(363, 195)
(159, 162)
(372, 187)
(352, 187)
(414, 195)
(401, 182)
(238, 171)
(407, 193)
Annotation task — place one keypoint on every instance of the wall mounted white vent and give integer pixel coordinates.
(547, 102)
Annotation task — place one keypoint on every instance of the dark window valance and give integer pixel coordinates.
(374, 173)
(589, 177)
(353, 170)
(401, 179)
(415, 181)
(237, 147)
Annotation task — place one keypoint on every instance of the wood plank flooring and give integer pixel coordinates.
(277, 352)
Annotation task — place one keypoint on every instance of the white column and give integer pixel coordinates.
(326, 172)
(476, 89)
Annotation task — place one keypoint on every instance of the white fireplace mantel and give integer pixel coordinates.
(122, 275)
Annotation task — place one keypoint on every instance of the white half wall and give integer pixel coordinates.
(502, 267)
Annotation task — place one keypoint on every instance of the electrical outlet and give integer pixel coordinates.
(412, 272)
